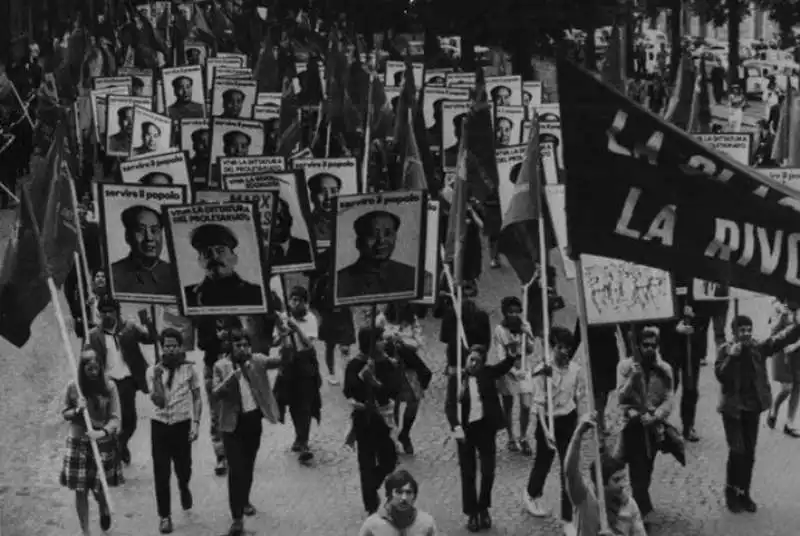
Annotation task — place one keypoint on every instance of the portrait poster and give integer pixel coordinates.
(234, 137)
(396, 70)
(247, 165)
(453, 115)
(378, 251)
(99, 102)
(451, 46)
(195, 140)
(509, 164)
(169, 316)
(292, 245)
(550, 137)
(235, 73)
(504, 90)
(183, 92)
(105, 82)
(215, 249)
(531, 96)
(241, 59)
(463, 79)
(164, 169)
(196, 53)
(549, 111)
(142, 81)
(152, 133)
(266, 98)
(788, 176)
(430, 281)
(327, 179)
(213, 63)
(266, 112)
(302, 154)
(233, 99)
(508, 125)
(132, 223)
(555, 197)
(432, 108)
(265, 201)
(119, 123)
(618, 292)
(737, 145)
(436, 77)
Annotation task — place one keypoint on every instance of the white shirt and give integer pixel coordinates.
(309, 326)
(475, 404)
(179, 398)
(116, 368)
(248, 401)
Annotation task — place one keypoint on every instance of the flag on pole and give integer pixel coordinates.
(479, 137)
(457, 217)
(679, 109)
(785, 148)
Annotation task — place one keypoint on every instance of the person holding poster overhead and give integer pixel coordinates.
(216, 249)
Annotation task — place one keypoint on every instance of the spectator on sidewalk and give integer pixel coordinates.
(399, 516)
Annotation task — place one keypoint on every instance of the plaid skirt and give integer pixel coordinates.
(79, 471)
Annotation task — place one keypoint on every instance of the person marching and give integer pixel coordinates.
(97, 394)
(244, 396)
(475, 430)
(786, 371)
(741, 371)
(569, 403)
(517, 383)
(399, 516)
(175, 391)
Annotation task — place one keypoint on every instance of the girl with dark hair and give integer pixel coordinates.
(97, 395)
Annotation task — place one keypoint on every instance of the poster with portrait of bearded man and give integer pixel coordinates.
(132, 221)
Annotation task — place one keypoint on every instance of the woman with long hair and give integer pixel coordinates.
(96, 394)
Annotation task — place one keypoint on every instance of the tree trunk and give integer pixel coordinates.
(734, 20)
(676, 36)
(590, 50)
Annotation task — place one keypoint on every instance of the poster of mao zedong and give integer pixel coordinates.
(132, 220)
(215, 249)
(379, 247)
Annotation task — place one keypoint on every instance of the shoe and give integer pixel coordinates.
(690, 435)
(297, 446)
(473, 525)
(186, 499)
(747, 504)
(513, 446)
(732, 501)
(105, 519)
(535, 507)
(165, 526)
(525, 447)
(771, 419)
(249, 511)
(485, 520)
(237, 528)
(791, 432)
(222, 467)
(125, 455)
(570, 529)
(332, 380)
(305, 455)
(405, 442)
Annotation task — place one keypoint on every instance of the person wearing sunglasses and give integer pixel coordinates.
(645, 391)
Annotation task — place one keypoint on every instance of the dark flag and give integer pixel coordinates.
(644, 191)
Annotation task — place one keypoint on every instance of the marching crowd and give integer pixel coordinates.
(385, 379)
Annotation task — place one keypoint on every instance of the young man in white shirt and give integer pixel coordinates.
(175, 391)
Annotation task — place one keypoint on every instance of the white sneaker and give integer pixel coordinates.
(535, 507)
(570, 529)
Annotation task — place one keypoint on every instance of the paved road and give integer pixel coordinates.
(324, 499)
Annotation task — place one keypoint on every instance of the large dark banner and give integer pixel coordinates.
(641, 190)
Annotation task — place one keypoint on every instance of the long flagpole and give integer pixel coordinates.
(584, 327)
(367, 137)
(82, 292)
(79, 231)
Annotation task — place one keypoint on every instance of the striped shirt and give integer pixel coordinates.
(179, 405)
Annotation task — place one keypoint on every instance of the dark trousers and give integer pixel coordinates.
(686, 368)
(377, 457)
(640, 464)
(126, 388)
(563, 428)
(479, 442)
(300, 410)
(742, 435)
(170, 445)
(241, 449)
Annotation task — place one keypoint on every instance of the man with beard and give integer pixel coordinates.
(120, 143)
(285, 249)
(116, 343)
(198, 165)
(399, 514)
(232, 102)
(375, 272)
(175, 392)
(150, 136)
(184, 106)
(324, 188)
(143, 271)
(216, 245)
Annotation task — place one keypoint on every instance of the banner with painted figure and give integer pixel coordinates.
(504, 90)
(183, 92)
(142, 81)
(98, 100)
(119, 123)
(508, 125)
(152, 133)
(233, 99)
(430, 282)
(453, 115)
